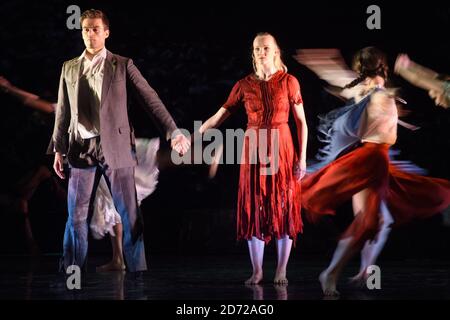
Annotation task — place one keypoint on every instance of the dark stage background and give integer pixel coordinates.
(192, 54)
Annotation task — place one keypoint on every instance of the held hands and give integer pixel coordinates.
(300, 169)
(58, 165)
(180, 143)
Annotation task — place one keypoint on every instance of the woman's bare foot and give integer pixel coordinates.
(255, 278)
(328, 283)
(113, 265)
(359, 280)
(280, 278)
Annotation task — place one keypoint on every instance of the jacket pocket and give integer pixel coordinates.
(124, 130)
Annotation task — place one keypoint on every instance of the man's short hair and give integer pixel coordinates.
(95, 14)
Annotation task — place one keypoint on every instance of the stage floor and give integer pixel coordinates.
(174, 277)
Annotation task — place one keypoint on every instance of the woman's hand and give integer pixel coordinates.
(300, 169)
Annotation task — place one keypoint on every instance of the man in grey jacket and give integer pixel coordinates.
(93, 131)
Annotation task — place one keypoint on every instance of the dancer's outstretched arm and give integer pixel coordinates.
(423, 78)
(329, 65)
(27, 98)
(416, 74)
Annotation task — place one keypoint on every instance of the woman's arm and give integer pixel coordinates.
(416, 74)
(302, 135)
(216, 120)
(329, 65)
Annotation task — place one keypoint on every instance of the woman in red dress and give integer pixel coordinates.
(269, 196)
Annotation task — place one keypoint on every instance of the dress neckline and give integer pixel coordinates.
(274, 76)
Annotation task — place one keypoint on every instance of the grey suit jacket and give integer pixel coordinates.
(116, 132)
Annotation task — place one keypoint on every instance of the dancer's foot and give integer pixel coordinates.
(280, 278)
(328, 283)
(255, 278)
(113, 265)
(358, 280)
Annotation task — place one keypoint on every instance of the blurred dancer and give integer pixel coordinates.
(355, 163)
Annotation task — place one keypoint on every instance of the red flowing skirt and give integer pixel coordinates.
(269, 196)
(408, 196)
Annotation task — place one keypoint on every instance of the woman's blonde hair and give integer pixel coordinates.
(279, 64)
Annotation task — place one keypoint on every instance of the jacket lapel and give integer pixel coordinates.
(108, 75)
(75, 77)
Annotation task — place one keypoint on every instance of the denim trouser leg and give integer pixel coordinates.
(123, 190)
(81, 185)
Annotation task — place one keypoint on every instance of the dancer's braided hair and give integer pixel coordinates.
(368, 62)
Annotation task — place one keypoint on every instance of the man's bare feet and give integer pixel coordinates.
(254, 279)
(113, 265)
(328, 284)
(280, 278)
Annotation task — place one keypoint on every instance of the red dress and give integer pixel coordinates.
(408, 196)
(269, 196)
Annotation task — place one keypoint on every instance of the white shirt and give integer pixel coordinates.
(90, 93)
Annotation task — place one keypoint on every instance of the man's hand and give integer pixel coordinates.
(180, 143)
(58, 165)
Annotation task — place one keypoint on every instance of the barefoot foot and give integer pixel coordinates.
(328, 284)
(254, 279)
(111, 266)
(359, 280)
(280, 278)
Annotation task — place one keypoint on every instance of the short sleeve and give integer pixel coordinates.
(234, 98)
(295, 96)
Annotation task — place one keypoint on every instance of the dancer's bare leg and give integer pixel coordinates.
(30, 183)
(284, 245)
(358, 201)
(330, 276)
(32, 245)
(26, 188)
(256, 250)
(372, 249)
(117, 263)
